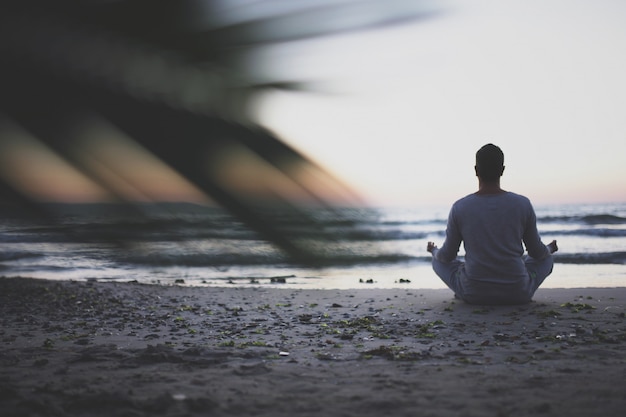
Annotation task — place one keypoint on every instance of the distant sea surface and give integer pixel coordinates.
(377, 248)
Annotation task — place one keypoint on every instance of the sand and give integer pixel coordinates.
(127, 349)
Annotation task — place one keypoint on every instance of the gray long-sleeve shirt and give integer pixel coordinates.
(492, 228)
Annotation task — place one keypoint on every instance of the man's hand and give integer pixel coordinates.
(431, 246)
(553, 247)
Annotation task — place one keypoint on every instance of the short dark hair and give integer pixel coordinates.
(489, 162)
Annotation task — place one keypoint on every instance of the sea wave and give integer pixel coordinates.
(590, 219)
(595, 232)
(199, 237)
(236, 259)
(603, 219)
(351, 260)
(169, 230)
(17, 255)
(591, 258)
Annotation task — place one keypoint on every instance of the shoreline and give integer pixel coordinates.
(413, 277)
(111, 348)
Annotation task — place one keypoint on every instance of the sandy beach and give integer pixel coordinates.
(126, 349)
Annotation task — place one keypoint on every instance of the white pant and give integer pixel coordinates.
(480, 292)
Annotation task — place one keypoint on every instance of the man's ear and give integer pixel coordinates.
(476, 170)
(502, 170)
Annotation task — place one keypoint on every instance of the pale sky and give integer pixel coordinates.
(401, 112)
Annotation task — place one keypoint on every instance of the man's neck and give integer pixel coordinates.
(490, 187)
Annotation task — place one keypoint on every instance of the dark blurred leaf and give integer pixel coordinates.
(160, 72)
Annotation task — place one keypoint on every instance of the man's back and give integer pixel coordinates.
(492, 224)
(492, 228)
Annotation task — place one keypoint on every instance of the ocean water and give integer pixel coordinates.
(375, 248)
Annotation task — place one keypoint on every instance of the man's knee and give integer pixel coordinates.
(449, 273)
(540, 269)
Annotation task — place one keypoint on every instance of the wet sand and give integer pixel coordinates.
(127, 349)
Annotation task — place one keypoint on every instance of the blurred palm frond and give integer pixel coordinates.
(162, 75)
